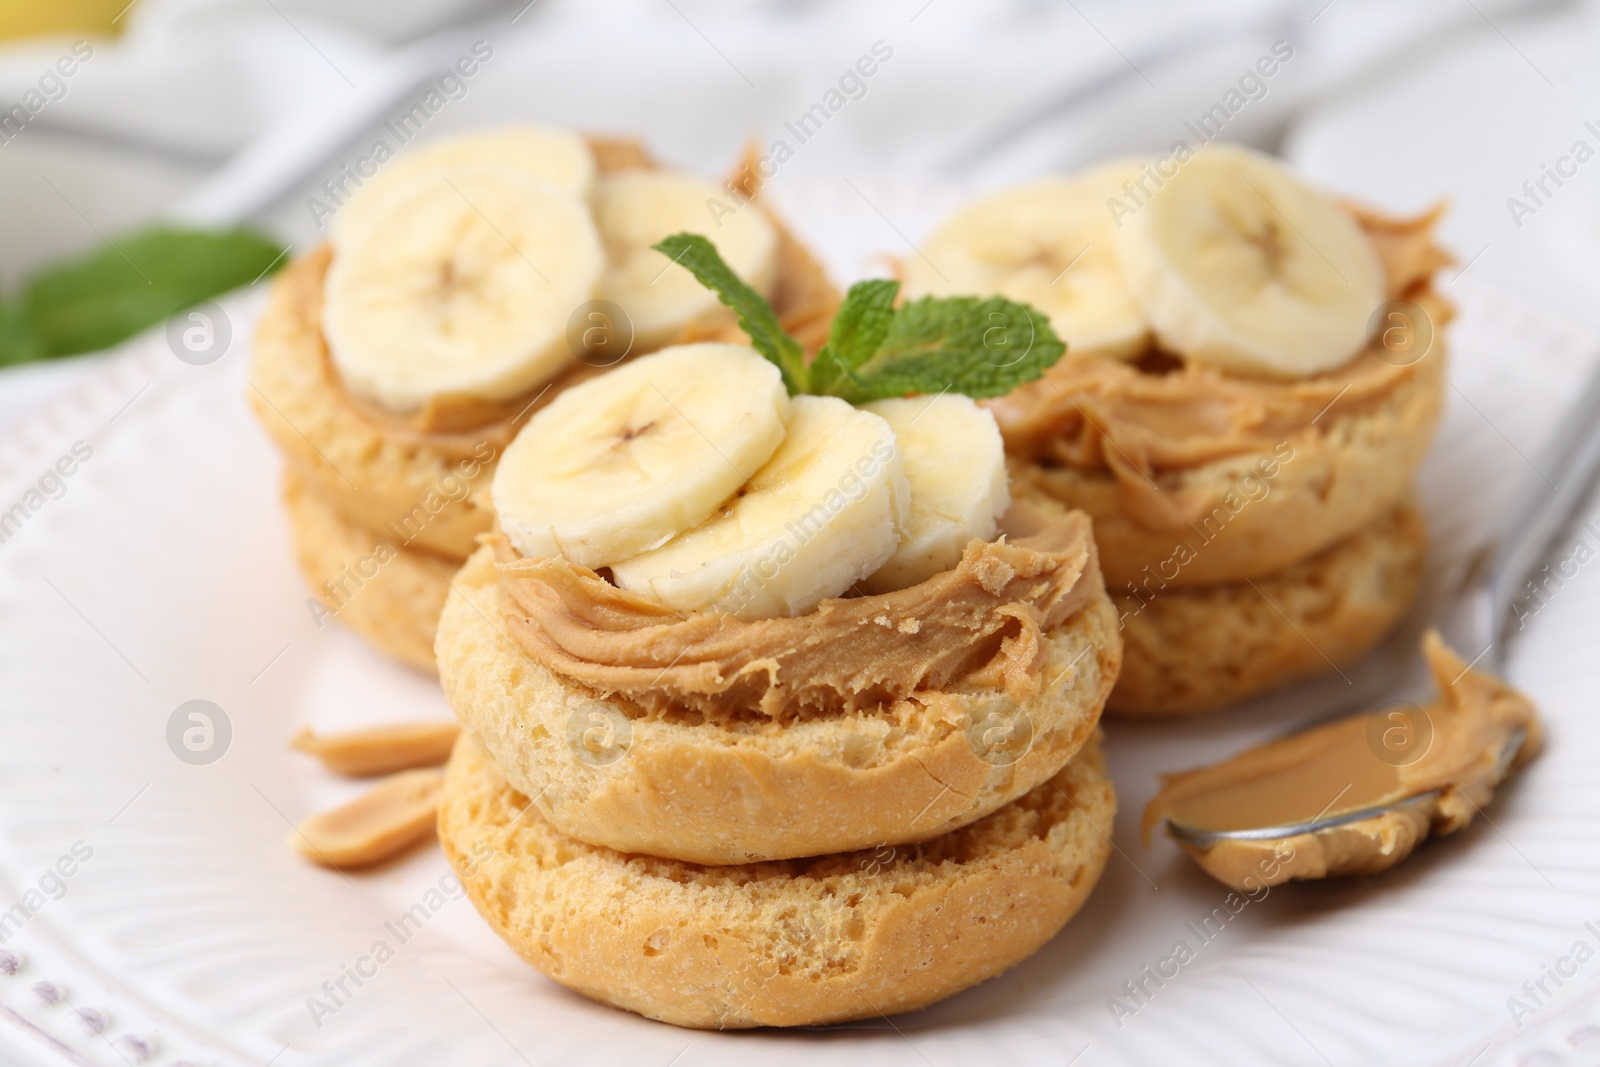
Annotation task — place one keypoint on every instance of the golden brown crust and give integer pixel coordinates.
(397, 607)
(672, 784)
(1198, 649)
(982, 621)
(1178, 460)
(794, 943)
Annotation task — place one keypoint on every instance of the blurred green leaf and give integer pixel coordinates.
(18, 342)
(98, 299)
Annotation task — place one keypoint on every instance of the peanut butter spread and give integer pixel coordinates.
(1431, 769)
(1140, 419)
(981, 623)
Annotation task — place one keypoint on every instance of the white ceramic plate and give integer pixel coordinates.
(192, 934)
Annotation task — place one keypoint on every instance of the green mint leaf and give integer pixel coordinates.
(862, 321)
(108, 295)
(756, 317)
(858, 330)
(978, 346)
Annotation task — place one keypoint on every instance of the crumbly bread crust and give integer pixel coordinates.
(1190, 650)
(670, 783)
(397, 609)
(786, 943)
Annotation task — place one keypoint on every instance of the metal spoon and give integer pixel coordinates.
(1477, 618)
(1204, 839)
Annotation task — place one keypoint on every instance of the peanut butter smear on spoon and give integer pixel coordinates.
(1356, 795)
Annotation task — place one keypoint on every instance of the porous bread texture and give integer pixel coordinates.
(1345, 472)
(752, 789)
(397, 608)
(786, 943)
(1191, 650)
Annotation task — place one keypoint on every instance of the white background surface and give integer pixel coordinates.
(195, 929)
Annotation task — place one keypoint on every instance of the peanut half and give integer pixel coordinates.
(381, 749)
(382, 822)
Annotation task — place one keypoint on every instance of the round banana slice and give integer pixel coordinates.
(625, 461)
(462, 286)
(557, 156)
(956, 465)
(1049, 244)
(826, 511)
(636, 208)
(1240, 264)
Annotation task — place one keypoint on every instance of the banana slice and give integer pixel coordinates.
(956, 464)
(623, 462)
(826, 511)
(1241, 265)
(462, 286)
(557, 156)
(1050, 244)
(636, 208)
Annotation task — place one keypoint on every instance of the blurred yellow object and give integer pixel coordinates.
(31, 18)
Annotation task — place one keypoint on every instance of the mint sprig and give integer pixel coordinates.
(979, 346)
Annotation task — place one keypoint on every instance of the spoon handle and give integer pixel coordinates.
(1549, 496)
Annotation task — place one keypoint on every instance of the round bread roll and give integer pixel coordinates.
(677, 785)
(787, 943)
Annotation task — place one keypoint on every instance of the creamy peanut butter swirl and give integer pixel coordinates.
(1139, 419)
(982, 622)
